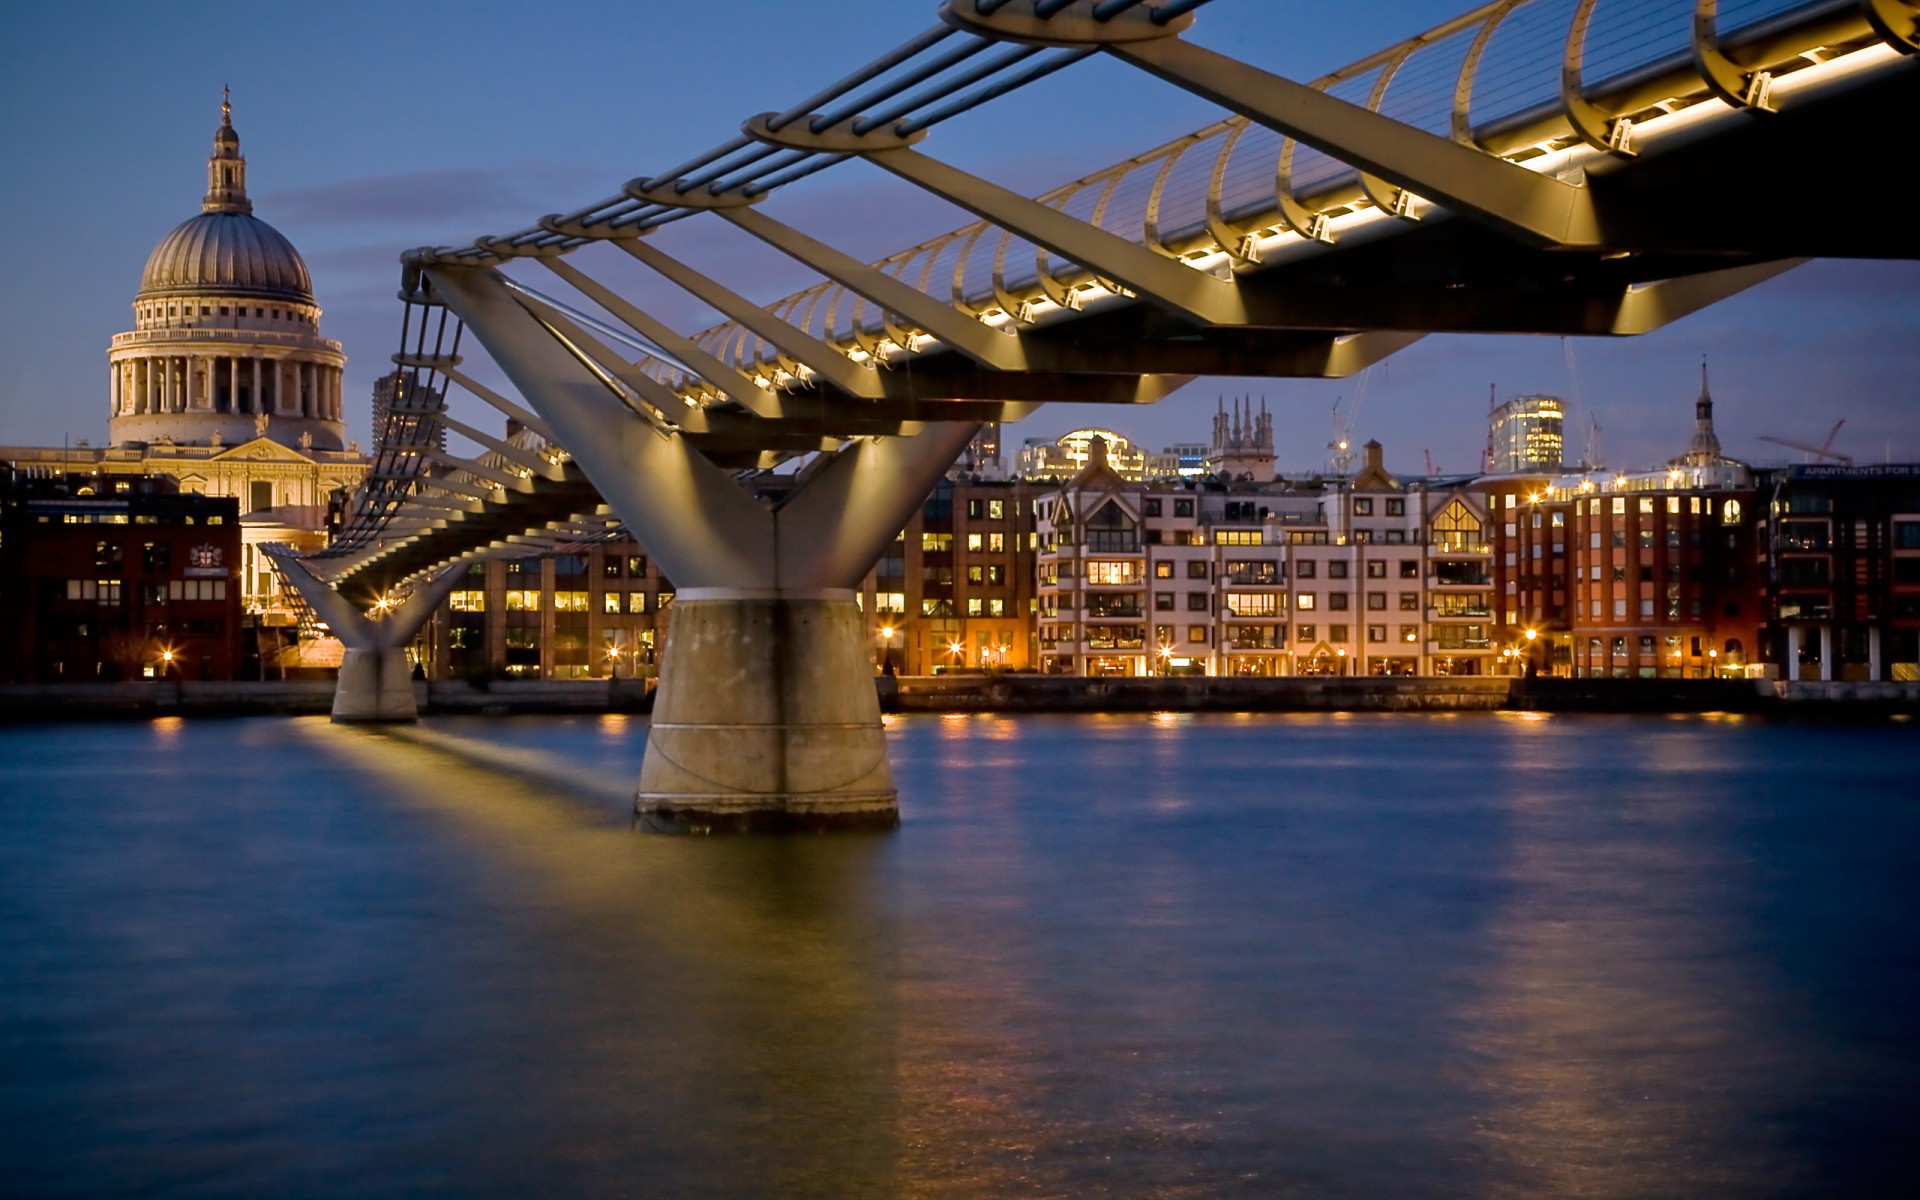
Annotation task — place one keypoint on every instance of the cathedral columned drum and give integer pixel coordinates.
(226, 344)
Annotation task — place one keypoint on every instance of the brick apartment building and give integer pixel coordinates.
(108, 578)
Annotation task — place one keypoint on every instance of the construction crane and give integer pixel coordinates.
(1342, 443)
(1823, 450)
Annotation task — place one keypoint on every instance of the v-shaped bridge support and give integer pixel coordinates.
(766, 714)
(376, 680)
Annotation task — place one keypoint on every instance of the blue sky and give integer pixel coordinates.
(372, 128)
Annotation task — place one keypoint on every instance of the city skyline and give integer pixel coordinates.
(377, 148)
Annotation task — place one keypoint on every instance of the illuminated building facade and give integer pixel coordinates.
(225, 384)
(1841, 549)
(1270, 579)
(1643, 576)
(590, 612)
(954, 590)
(1528, 434)
(124, 578)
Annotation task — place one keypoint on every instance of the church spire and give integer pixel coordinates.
(1705, 447)
(226, 170)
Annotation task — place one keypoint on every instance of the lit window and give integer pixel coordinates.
(1304, 602)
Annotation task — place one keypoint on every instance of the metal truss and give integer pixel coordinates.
(1531, 166)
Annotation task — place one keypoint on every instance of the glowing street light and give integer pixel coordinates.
(886, 636)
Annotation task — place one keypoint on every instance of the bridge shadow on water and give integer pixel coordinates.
(706, 1016)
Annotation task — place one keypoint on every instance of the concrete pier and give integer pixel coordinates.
(766, 718)
(375, 684)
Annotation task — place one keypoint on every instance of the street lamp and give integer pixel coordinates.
(886, 637)
(613, 659)
(1166, 659)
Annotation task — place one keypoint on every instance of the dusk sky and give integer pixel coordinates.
(373, 128)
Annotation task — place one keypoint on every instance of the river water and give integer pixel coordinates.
(1460, 955)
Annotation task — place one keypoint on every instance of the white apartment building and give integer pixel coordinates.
(1335, 578)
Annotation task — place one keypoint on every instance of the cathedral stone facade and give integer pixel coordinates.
(225, 383)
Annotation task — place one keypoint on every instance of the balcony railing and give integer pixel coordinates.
(1480, 611)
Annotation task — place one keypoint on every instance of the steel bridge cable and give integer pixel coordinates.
(1107, 10)
(694, 164)
(625, 336)
(1174, 8)
(873, 70)
(1010, 57)
(720, 170)
(999, 87)
(920, 74)
(786, 177)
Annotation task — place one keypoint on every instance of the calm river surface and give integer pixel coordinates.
(1477, 956)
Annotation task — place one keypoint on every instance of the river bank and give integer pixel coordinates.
(1011, 693)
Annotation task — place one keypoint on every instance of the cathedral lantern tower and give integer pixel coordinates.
(226, 344)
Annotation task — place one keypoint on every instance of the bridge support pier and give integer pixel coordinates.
(376, 684)
(766, 718)
(376, 680)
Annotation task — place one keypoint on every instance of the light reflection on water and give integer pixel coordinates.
(1164, 955)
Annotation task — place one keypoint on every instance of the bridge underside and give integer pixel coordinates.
(1575, 222)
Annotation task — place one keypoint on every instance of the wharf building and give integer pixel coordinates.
(225, 384)
(587, 611)
(126, 578)
(1841, 551)
(1346, 577)
(954, 590)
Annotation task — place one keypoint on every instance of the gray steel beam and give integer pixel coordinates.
(1526, 204)
(823, 360)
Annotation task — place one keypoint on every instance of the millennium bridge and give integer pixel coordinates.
(1568, 167)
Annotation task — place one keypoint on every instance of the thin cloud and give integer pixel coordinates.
(515, 194)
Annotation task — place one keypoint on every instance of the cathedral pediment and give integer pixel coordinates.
(263, 450)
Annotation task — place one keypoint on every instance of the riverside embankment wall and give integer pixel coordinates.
(1008, 694)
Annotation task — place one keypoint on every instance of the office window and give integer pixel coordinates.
(1376, 602)
(1409, 601)
(1306, 633)
(1396, 508)
(1163, 570)
(1336, 570)
(1197, 633)
(1197, 569)
(1338, 633)
(1196, 602)
(1163, 601)
(1377, 569)
(1183, 508)
(1362, 507)
(1410, 633)
(1376, 633)
(1306, 569)
(1150, 508)
(1338, 601)
(1304, 602)
(974, 541)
